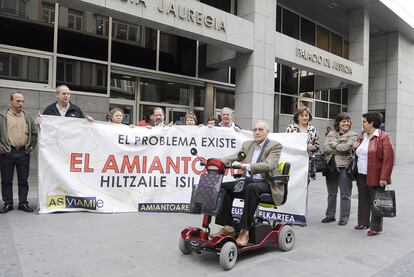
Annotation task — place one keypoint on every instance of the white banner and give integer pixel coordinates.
(105, 167)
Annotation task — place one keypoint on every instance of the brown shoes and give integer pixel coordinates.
(243, 238)
(372, 233)
(360, 227)
(225, 231)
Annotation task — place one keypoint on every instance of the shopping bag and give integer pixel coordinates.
(384, 203)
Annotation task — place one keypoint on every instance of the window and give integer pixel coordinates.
(102, 25)
(288, 104)
(24, 68)
(82, 76)
(289, 80)
(290, 24)
(345, 53)
(164, 92)
(322, 38)
(75, 20)
(123, 86)
(16, 7)
(177, 54)
(22, 29)
(336, 44)
(82, 41)
(321, 109)
(48, 13)
(325, 103)
(307, 31)
(306, 84)
(134, 45)
(278, 19)
(199, 96)
(335, 96)
(206, 72)
(334, 110)
(224, 98)
(277, 77)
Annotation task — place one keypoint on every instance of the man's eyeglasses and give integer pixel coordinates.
(259, 130)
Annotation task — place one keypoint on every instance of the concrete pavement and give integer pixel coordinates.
(146, 244)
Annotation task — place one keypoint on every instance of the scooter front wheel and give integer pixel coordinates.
(228, 255)
(183, 246)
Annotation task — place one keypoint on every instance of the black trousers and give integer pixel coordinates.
(20, 160)
(365, 199)
(251, 200)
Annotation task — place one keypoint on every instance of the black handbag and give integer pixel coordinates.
(352, 166)
(332, 168)
(384, 203)
(319, 163)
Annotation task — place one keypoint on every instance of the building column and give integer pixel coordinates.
(255, 70)
(359, 53)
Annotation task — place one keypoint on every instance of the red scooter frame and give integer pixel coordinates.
(195, 239)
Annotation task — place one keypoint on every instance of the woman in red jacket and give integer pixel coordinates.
(375, 162)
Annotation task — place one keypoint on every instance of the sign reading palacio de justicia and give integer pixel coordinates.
(179, 10)
(322, 60)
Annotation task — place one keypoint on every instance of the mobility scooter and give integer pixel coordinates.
(207, 198)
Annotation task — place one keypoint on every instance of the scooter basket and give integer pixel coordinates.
(207, 197)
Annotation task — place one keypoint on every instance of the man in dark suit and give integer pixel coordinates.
(261, 164)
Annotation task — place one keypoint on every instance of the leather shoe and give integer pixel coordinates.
(328, 219)
(243, 238)
(225, 231)
(342, 222)
(360, 227)
(26, 208)
(6, 208)
(372, 233)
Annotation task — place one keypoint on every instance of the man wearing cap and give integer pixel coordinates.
(18, 137)
(261, 164)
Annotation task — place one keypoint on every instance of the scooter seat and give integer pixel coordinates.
(266, 198)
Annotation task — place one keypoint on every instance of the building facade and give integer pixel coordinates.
(264, 58)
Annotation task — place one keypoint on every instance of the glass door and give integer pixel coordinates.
(176, 115)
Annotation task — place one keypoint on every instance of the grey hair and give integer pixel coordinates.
(227, 108)
(58, 88)
(264, 123)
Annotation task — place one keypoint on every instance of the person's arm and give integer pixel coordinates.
(329, 141)
(344, 145)
(388, 159)
(271, 161)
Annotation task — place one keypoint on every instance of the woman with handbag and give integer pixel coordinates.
(337, 150)
(375, 163)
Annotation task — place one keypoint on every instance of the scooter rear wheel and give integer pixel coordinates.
(286, 238)
(228, 255)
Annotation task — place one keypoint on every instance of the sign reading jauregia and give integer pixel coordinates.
(105, 167)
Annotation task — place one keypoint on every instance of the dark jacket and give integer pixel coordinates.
(73, 111)
(31, 127)
(380, 159)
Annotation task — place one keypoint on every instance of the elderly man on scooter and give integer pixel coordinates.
(261, 164)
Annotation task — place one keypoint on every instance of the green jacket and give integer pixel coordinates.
(32, 136)
(267, 166)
